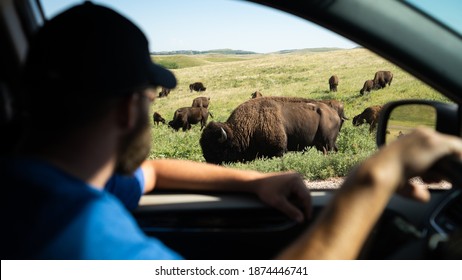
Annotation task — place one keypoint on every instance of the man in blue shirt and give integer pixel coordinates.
(62, 217)
(86, 84)
(86, 118)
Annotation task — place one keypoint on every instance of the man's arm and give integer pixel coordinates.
(343, 226)
(272, 188)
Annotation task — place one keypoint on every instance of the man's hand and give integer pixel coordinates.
(412, 155)
(279, 190)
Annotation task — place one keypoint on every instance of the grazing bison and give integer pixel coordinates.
(333, 83)
(201, 101)
(269, 127)
(164, 92)
(186, 116)
(367, 87)
(197, 86)
(370, 115)
(256, 94)
(158, 118)
(382, 78)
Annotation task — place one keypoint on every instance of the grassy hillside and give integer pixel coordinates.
(230, 79)
(186, 61)
(179, 61)
(216, 51)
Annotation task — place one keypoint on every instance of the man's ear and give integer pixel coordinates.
(127, 111)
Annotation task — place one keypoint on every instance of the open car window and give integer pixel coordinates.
(256, 48)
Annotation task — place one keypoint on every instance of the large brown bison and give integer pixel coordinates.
(269, 127)
(186, 116)
(370, 115)
(367, 87)
(256, 94)
(201, 101)
(382, 78)
(157, 118)
(333, 83)
(197, 86)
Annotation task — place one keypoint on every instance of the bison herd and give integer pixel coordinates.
(186, 116)
(381, 80)
(269, 126)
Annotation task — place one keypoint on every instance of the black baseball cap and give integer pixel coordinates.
(92, 49)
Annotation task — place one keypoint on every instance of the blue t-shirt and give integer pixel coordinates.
(49, 214)
(127, 188)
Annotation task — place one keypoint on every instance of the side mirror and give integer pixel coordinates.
(400, 117)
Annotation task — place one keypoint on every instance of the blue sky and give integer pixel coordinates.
(210, 24)
(215, 24)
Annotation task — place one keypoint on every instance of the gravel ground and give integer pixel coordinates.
(334, 183)
(331, 183)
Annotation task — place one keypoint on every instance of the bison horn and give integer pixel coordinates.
(223, 136)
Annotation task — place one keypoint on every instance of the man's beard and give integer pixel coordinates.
(134, 147)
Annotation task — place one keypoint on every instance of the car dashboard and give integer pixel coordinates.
(223, 225)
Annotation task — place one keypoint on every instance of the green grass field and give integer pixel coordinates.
(230, 79)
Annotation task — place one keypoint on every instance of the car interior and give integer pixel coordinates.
(205, 225)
